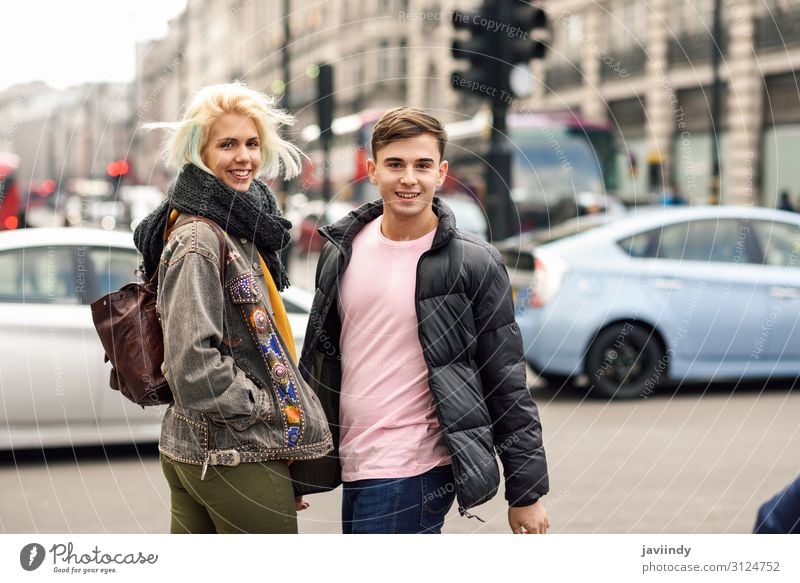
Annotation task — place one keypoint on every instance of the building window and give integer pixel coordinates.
(403, 59)
(691, 40)
(573, 37)
(777, 24)
(694, 15)
(564, 61)
(384, 62)
(625, 19)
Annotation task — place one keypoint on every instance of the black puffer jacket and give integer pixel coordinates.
(472, 346)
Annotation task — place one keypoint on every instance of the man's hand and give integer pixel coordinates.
(530, 519)
(300, 504)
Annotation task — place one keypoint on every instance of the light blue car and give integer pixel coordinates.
(664, 294)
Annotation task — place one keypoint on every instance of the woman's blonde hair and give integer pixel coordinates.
(190, 135)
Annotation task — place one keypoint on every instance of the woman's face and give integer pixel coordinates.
(233, 151)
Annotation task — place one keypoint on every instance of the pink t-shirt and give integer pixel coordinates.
(389, 427)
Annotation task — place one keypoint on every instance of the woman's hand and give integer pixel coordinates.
(300, 504)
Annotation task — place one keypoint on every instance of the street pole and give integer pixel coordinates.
(716, 101)
(285, 62)
(498, 173)
(325, 109)
(286, 72)
(498, 176)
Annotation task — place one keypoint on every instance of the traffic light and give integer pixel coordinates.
(524, 18)
(500, 37)
(117, 171)
(480, 51)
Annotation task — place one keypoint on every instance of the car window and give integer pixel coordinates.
(38, 275)
(717, 240)
(707, 240)
(112, 268)
(641, 244)
(724, 240)
(779, 243)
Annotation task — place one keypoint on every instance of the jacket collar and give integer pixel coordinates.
(343, 231)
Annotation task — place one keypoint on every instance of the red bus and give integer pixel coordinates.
(9, 192)
(348, 157)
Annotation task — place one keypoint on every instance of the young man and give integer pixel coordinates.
(413, 350)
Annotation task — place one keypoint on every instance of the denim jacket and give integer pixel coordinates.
(238, 395)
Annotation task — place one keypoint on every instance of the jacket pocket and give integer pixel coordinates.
(261, 412)
(184, 438)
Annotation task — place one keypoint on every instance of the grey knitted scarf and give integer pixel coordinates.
(253, 214)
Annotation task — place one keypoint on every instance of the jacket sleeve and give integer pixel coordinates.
(515, 417)
(781, 514)
(200, 376)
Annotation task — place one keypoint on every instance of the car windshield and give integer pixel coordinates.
(549, 165)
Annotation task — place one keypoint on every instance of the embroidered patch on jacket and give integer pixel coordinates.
(244, 289)
(283, 383)
(259, 320)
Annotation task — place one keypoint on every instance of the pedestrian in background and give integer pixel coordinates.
(413, 349)
(241, 412)
(784, 203)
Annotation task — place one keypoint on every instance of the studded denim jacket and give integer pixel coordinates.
(238, 395)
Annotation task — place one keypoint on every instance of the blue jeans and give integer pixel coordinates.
(415, 505)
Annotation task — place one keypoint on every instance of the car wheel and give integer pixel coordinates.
(624, 362)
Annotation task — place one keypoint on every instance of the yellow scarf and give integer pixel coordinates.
(278, 309)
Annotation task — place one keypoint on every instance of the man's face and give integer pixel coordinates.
(407, 173)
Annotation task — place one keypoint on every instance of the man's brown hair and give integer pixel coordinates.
(402, 123)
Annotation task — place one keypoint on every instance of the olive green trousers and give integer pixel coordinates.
(248, 498)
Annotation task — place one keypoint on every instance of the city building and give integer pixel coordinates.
(647, 67)
(66, 134)
(644, 67)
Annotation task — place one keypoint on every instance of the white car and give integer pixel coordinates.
(54, 387)
(469, 215)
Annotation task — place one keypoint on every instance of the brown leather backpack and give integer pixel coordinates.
(130, 332)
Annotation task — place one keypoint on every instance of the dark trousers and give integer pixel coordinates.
(415, 505)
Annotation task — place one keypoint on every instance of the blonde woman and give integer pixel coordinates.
(241, 412)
